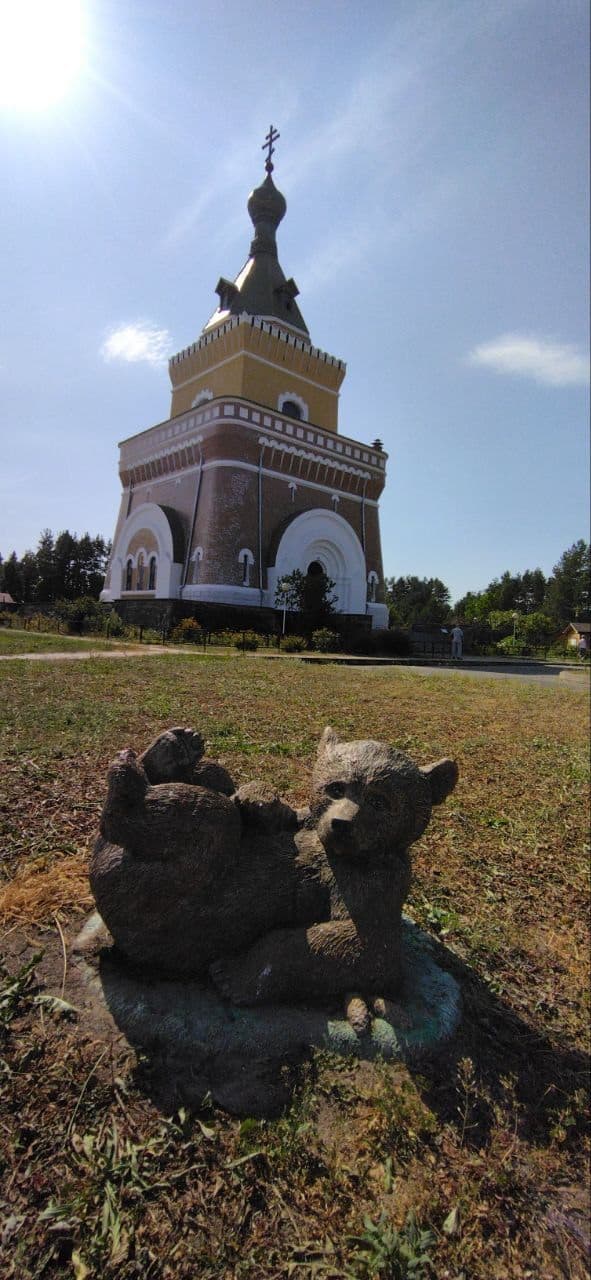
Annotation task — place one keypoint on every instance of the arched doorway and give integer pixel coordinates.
(325, 543)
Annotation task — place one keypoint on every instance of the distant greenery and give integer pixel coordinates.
(62, 568)
(563, 597)
(413, 600)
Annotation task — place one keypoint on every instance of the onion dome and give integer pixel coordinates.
(260, 288)
(266, 206)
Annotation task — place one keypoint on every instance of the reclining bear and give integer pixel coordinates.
(277, 906)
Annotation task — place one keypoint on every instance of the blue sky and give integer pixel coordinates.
(434, 160)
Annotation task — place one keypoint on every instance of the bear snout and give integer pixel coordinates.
(337, 823)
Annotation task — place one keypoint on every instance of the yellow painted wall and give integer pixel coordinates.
(258, 366)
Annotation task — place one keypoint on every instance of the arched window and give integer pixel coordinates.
(140, 573)
(196, 558)
(152, 574)
(128, 574)
(372, 582)
(246, 560)
(290, 403)
(291, 409)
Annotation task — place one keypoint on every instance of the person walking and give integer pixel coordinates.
(457, 640)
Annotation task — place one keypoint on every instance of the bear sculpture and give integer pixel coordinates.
(278, 906)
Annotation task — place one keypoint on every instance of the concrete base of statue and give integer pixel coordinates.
(195, 1044)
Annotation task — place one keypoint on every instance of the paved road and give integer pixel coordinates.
(573, 679)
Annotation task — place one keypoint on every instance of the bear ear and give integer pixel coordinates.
(442, 777)
(329, 739)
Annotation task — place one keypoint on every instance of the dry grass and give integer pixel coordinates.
(492, 1133)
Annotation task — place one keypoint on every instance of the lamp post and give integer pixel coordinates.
(515, 620)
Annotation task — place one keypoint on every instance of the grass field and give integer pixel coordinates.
(15, 642)
(473, 1168)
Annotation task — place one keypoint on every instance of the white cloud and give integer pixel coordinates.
(136, 342)
(554, 364)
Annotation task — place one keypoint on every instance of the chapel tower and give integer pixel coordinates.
(249, 478)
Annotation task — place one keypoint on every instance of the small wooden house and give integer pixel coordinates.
(572, 633)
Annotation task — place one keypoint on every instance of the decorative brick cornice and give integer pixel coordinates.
(191, 428)
(273, 327)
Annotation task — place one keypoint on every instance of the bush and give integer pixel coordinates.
(187, 631)
(326, 641)
(82, 614)
(513, 647)
(293, 644)
(41, 622)
(247, 640)
(113, 624)
(150, 636)
(393, 643)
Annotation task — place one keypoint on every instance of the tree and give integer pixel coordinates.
(523, 592)
(29, 576)
(307, 593)
(12, 578)
(568, 590)
(64, 568)
(417, 600)
(45, 557)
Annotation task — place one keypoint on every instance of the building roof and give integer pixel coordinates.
(260, 288)
(583, 628)
(5, 598)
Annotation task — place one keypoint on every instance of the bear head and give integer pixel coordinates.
(369, 800)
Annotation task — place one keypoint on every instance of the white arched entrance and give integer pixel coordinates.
(149, 516)
(327, 538)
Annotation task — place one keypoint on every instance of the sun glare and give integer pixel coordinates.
(41, 51)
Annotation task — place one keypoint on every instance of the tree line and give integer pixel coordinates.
(563, 597)
(65, 567)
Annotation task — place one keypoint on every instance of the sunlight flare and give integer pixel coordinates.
(42, 49)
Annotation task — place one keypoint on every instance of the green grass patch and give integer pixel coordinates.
(17, 642)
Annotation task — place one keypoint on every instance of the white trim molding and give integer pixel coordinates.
(201, 398)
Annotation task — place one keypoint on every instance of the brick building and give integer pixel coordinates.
(249, 478)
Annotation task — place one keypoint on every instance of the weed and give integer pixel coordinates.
(382, 1250)
(17, 991)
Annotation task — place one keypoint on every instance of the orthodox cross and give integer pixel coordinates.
(267, 146)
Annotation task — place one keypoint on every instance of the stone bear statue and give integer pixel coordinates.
(188, 879)
(369, 804)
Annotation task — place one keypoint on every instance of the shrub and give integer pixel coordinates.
(187, 631)
(392, 643)
(326, 641)
(513, 647)
(150, 636)
(41, 622)
(293, 644)
(82, 614)
(226, 638)
(113, 624)
(247, 640)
